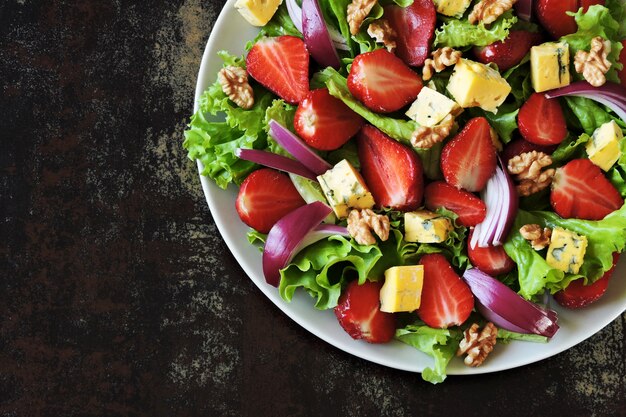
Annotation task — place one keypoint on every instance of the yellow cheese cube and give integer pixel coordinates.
(566, 251)
(424, 226)
(402, 290)
(473, 84)
(549, 66)
(344, 188)
(603, 148)
(257, 12)
(431, 107)
(454, 8)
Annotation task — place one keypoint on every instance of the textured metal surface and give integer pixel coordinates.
(119, 298)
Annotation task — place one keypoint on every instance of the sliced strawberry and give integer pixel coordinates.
(578, 295)
(446, 298)
(265, 197)
(552, 15)
(519, 146)
(359, 313)
(469, 159)
(581, 191)
(282, 65)
(622, 58)
(415, 26)
(509, 52)
(324, 122)
(382, 82)
(492, 260)
(392, 171)
(470, 209)
(541, 120)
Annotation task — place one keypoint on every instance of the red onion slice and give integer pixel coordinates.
(612, 95)
(316, 36)
(524, 9)
(295, 13)
(298, 149)
(510, 306)
(279, 162)
(322, 231)
(286, 235)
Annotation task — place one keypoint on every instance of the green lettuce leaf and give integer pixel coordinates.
(504, 122)
(440, 344)
(618, 11)
(570, 149)
(323, 268)
(596, 21)
(535, 275)
(589, 114)
(458, 33)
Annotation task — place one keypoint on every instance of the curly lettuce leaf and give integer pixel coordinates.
(440, 344)
(535, 275)
(458, 33)
(323, 268)
(596, 21)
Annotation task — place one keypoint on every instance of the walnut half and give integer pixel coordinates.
(487, 11)
(593, 65)
(527, 168)
(441, 59)
(361, 223)
(382, 31)
(234, 82)
(357, 12)
(426, 137)
(538, 238)
(477, 345)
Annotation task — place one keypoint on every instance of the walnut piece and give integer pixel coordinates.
(426, 137)
(442, 58)
(594, 64)
(362, 222)
(477, 345)
(527, 168)
(539, 238)
(234, 82)
(487, 11)
(383, 33)
(357, 12)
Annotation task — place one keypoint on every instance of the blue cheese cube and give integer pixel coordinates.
(424, 226)
(432, 107)
(604, 147)
(566, 251)
(452, 8)
(549, 66)
(344, 189)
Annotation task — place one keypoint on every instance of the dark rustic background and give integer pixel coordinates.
(119, 298)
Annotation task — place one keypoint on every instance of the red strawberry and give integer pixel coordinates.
(541, 121)
(470, 209)
(265, 197)
(492, 260)
(508, 53)
(580, 190)
(578, 295)
(392, 171)
(415, 26)
(469, 159)
(622, 58)
(446, 298)
(382, 82)
(519, 146)
(282, 65)
(324, 122)
(359, 313)
(552, 15)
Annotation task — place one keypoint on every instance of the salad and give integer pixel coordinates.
(436, 172)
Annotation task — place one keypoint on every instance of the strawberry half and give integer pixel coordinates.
(359, 313)
(281, 64)
(519, 146)
(324, 122)
(392, 171)
(469, 159)
(265, 197)
(382, 82)
(415, 26)
(509, 52)
(578, 295)
(541, 121)
(446, 298)
(553, 15)
(470, 209)
(492, 260)
(581, 191)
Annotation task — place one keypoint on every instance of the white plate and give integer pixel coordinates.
(231, 32)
